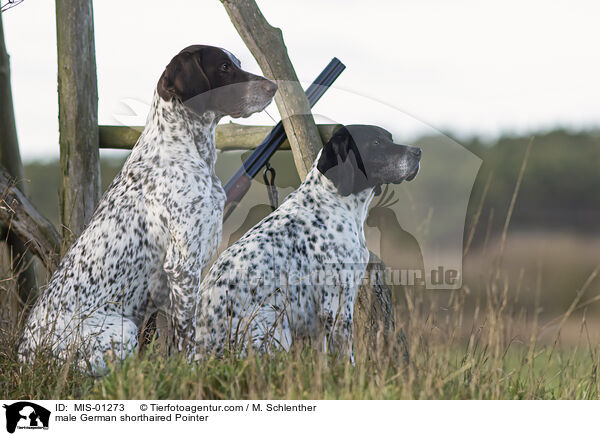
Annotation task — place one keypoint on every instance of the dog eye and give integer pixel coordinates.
(376, 142)
(224, 67)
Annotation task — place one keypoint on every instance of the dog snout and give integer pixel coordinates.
(416, 152)
(269, 87)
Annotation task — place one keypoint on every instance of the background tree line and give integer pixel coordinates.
(560, 191)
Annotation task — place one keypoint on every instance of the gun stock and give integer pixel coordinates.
(235, 193)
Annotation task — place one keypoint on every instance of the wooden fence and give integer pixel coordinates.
(230, 136)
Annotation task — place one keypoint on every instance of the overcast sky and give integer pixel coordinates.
(469, 67)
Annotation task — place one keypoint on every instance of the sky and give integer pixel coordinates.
(468, 67)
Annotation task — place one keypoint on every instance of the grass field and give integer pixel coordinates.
(490, 353)
(505, 338)
(526, 327)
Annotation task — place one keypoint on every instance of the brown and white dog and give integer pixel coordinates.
(158, 224)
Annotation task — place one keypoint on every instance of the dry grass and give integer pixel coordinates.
(490, 340)
(491, 353)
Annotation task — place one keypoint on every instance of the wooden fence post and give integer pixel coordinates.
(78, 117)
(10, 159)
(265, 42)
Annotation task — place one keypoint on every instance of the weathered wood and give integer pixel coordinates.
(266, 44)
(24, 220)
(118, 137)
(10, 158)
(374, 309)
(230, 136)
(374, 320)
(78, 117)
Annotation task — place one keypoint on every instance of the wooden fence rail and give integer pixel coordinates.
(229, 136)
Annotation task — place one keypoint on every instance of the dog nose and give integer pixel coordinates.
(416, 152)
(270, 87)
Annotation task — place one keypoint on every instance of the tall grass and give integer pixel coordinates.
(475, 343)
(453, 355)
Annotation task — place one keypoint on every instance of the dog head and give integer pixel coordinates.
(360, 157)
(206, 78)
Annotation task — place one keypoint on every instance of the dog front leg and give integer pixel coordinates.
(183, 268)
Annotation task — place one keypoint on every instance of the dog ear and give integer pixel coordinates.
(340, 161)
(184, 78)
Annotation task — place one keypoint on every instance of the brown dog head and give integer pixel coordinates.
(206, 78)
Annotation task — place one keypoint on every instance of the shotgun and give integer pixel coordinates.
(239, 184)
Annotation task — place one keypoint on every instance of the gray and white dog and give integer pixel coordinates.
(296, 273)
(158, 224)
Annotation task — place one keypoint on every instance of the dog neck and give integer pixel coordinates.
(173, 125)
(321, 188)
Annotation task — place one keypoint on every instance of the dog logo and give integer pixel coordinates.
(26, 415)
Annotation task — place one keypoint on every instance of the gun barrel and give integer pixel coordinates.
(324, 80)
(275, 138)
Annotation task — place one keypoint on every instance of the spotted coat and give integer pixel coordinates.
(158, 224)
(295, 275)
(155, 228)
(265, 288)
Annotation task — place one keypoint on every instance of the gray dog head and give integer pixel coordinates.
(359, 157)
